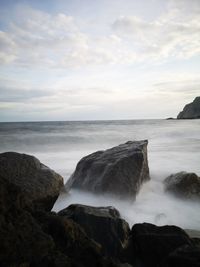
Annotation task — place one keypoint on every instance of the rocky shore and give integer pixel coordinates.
(78, 236)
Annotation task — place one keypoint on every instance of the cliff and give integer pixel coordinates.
(191, 110)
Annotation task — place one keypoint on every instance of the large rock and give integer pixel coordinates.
(150, 245)
(102, 224)
(40, 185)
(191, 111)
(184, 256)
(72, 241)
(22, 240)
(119, 170)
(38, 238)
(183, 184)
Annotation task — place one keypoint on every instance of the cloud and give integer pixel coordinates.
(174, 34)
(35, 38)
(57, 95)
(133, 25)
(184, 87)
(184, 7)
(20, 95)
(7, 47)
(61, 67)
(160, 99)
(21, 91)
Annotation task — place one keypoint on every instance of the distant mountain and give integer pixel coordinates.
(191, 110)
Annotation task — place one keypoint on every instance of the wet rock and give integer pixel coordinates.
(149, 244)
(35, 238)
(71, 240)
(183, 184)
(120, 170)
(40, 185)
(185, 256)
(22, 240)
(102, 224)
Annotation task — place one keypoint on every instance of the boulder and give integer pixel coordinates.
(22, 240)
(185, 256)
(120, 170)
(72, 241)
(34, 238)
(191, 111)
(40, 185)
(183, 184)
(102, 224)
(149, 244)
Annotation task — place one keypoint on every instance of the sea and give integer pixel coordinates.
(173, 146)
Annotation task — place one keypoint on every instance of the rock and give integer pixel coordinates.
(39, 238)
(170, 118)
(22, 239)
(193, 233)
(191, 111)
(185, 256)
(102, 224)
(183, 184)
(71, 240)
(39, 184)
(125, 265)
(120, 170)
(23, 242)
(149, 244)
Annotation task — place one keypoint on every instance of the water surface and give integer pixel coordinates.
(174, 145)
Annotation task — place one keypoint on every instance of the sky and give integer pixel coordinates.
(98, 59)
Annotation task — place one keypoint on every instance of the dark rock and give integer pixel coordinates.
(191, 111)
(39, 238)
(193, 233)
(39, 184)
(185, 256)
(102, 224)
(125, 265)
(170, 118)
(120, 170)
(22, 240)
(183, 184)
(149, 245)
(71, 240)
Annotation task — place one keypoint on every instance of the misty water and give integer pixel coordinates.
(174, 145)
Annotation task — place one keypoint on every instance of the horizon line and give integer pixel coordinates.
(84, 120)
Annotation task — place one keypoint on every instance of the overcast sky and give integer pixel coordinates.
(98, 59)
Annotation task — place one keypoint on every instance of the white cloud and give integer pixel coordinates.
(40, 38)
(175, 34)
(7, 48)
(88, 78)
(21, 91)
(185, 7)
(36, 38)
(67, 99)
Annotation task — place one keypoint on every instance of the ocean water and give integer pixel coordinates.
(174, 145)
